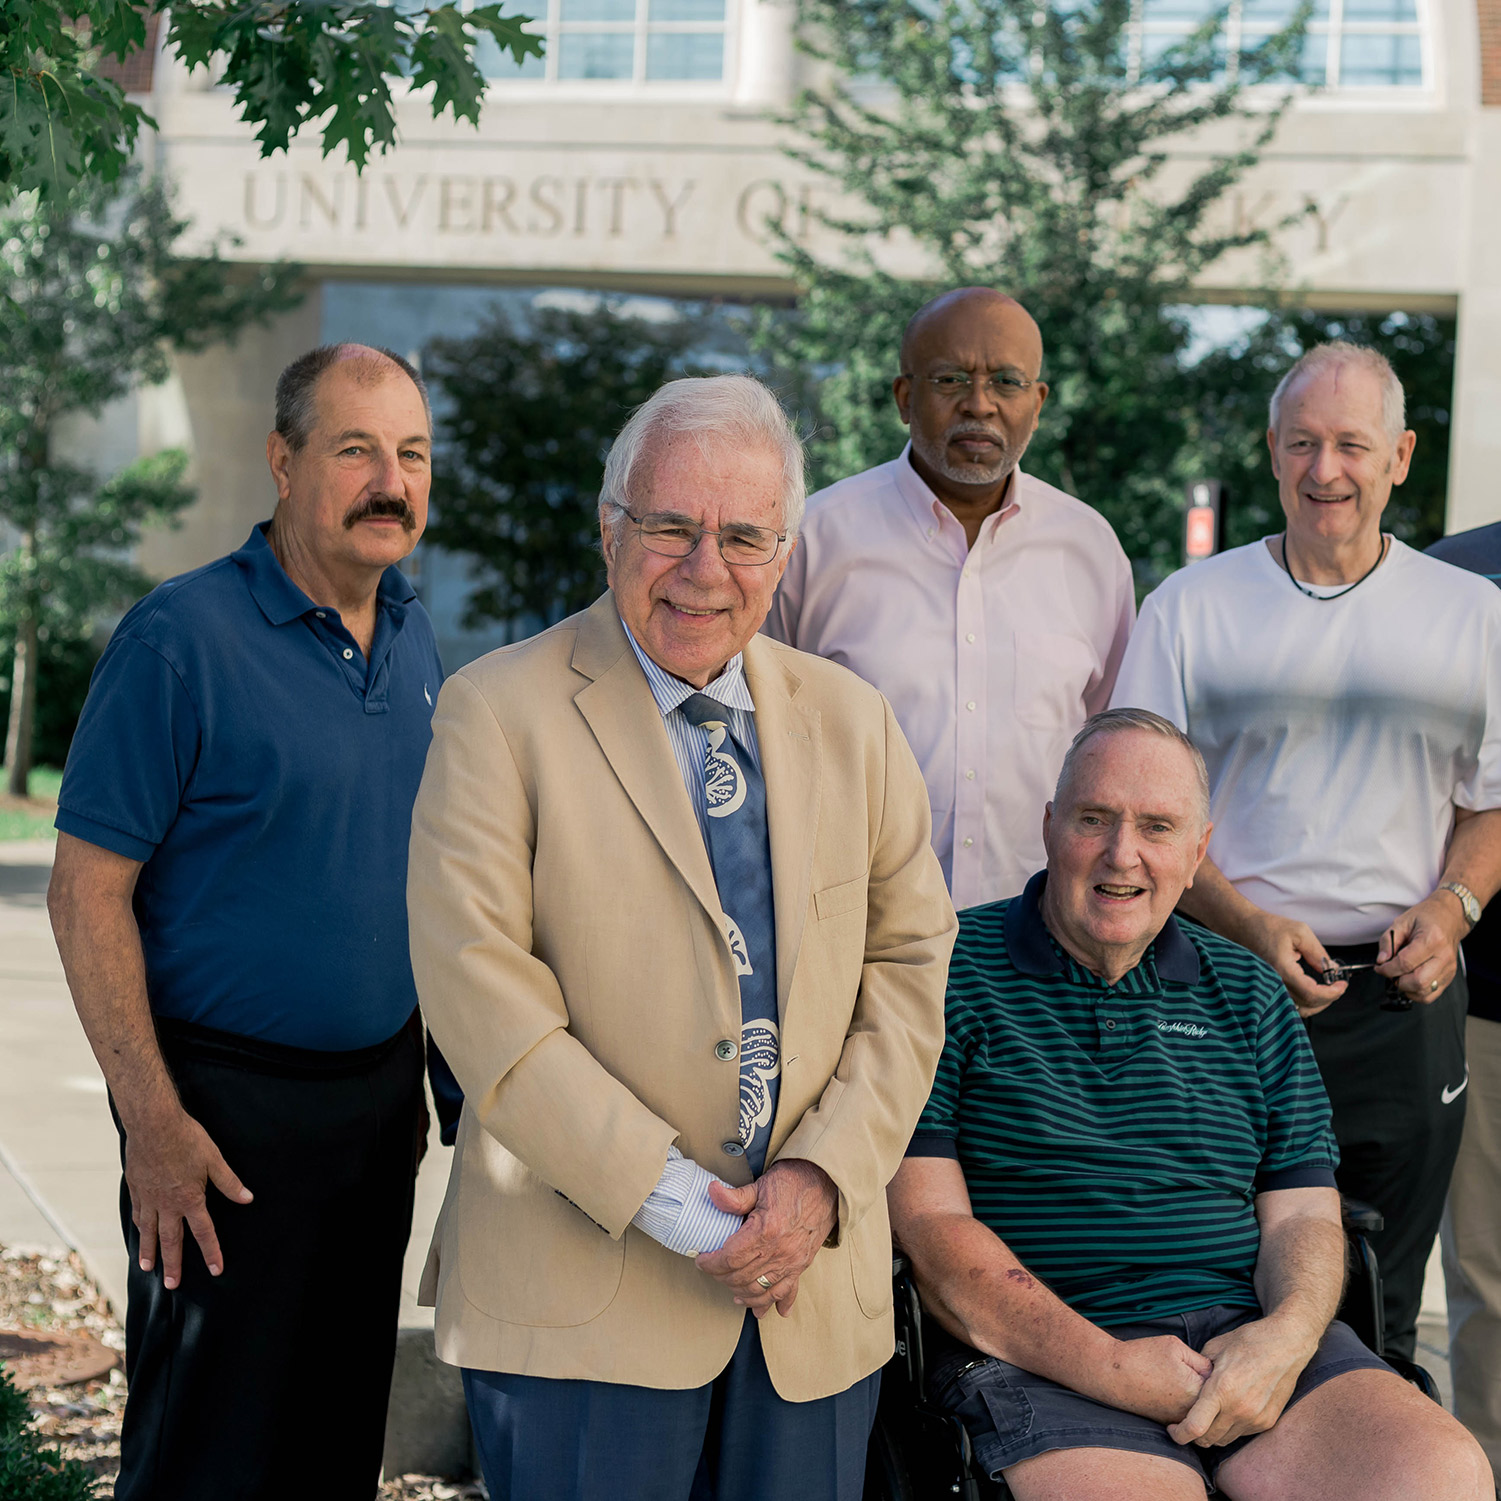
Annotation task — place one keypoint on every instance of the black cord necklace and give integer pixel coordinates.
(1325, 598)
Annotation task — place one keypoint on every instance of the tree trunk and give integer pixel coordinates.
(22, 706)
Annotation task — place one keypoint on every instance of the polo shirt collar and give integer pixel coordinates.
(729, 688)
(926, 506)
(1032, 950)
(280, 600)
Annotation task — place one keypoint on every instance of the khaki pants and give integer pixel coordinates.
(1472, 1246)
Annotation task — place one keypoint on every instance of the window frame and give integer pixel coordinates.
(554, 29)
(1334, 28)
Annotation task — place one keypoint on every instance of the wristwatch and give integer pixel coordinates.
(1466, 900)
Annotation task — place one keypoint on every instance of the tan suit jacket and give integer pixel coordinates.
(570, 957)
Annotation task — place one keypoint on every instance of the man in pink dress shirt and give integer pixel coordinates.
(990, 608)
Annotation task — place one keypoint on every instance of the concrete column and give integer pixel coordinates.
(1475, 448)
(1474, 57)
(767, 58)
(219, 405)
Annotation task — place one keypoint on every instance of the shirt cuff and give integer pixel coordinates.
(92, 832)
(933, 1144)
(1300, 1175)
(678, 1212)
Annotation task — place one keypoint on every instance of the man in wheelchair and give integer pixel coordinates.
(1119, 1204)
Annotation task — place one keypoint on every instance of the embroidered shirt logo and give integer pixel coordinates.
(1183, 1029)
(1448, 1096)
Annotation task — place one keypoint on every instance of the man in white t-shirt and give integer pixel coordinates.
(991, 609)
(1345, 691)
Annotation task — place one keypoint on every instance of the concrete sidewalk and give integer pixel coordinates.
(60, 1162)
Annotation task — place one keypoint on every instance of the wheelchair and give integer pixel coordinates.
(918, 1453)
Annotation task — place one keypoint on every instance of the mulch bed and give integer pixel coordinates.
(57, 1331)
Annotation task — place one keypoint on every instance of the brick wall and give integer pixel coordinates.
(1490, 51)
(134, 74)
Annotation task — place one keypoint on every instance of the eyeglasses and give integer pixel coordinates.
(1392, 999)
(1004, 385)
(673, 536)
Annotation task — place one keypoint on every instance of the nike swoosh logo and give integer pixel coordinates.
(1448, 1096)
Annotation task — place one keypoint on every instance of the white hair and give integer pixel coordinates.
(734, 411)
(1112, 722)
(1341, 352)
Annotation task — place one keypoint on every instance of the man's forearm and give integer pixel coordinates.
(977, 1289)
(100, 946)
(1300, 1276)
(1474, 857)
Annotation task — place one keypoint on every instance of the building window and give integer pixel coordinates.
(628, 41)
(1352, 44)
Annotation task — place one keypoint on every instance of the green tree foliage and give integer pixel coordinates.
(64, 664)
(291, 63)
(1227, 437)
(526, 418)
(92, 300)
(1017, 144)
(30, 1471)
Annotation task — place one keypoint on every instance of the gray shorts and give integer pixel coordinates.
(1012, 1415)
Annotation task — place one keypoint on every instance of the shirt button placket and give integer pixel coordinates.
(969, 736)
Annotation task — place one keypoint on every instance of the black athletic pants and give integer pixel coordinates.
(270, 1382)
(1396, 1080)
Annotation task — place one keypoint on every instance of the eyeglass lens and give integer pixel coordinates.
(675, 537)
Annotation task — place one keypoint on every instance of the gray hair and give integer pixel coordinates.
(1341, 352)
(1113, 721)
(297, 385)
(736, 410)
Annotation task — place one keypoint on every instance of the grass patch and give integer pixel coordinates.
(31, 818)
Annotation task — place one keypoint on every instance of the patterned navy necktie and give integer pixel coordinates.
(740, 852)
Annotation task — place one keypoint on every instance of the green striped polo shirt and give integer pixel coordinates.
(1115, 1136)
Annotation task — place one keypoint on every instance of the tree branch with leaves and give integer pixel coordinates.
(1028, 147)
(291, 65)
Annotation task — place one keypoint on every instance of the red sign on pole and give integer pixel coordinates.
(1199, 533)
(1203, 520)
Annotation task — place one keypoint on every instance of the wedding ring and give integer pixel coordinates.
(1432, 986)
(765, 1282)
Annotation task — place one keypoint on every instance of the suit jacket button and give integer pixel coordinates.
(725, 1049)
(732, 1149)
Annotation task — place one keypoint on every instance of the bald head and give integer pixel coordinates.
(364, 364)
(970, 394)
(939, 325)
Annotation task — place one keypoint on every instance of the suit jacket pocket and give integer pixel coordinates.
(526, 1254)
(833, 901)
(870, 1262)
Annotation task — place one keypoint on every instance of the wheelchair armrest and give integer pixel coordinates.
(1365, 1219)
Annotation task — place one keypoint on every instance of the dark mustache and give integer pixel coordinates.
(382, 505)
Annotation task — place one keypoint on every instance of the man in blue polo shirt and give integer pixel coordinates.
(1120, 1202)
(229, 900)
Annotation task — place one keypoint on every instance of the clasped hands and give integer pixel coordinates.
(1419, 952)
(789, 1212)
(1237, 1385)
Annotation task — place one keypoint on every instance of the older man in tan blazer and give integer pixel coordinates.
(577, 965)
